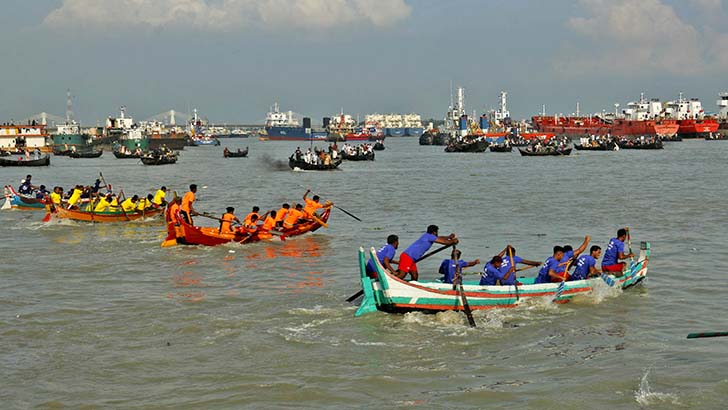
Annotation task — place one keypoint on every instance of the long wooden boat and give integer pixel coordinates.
(118, 216)
(652, 145)
(545, 153)
(186, 234)
(293, 164)
(127, 155)
(89, 154)
(15, 200)
(500, 148)
(43, 161)
(369, 156)
(391, 294)
(233, 154)
(159, 160)
(479, 145)
(610, 146)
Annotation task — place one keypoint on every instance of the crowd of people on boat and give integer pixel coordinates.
(126, 151)
(161, 152)
(599, 141)
(554, 144)
(272, 222)
(315, 157)
(639, 141)
(501, 268)
(357, 150)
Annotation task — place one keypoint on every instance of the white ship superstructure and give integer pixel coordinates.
(682, 109)
(723, 106)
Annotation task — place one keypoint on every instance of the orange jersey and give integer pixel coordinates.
(269, 223)
(248, 217)
(226, 224)
(281, 214)
(173, 211)
(293, 216)
(187, 201)
(311, 207)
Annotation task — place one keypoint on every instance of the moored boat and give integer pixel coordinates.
(118, 216)
(186, 234)
(388, 293)
(23, 161)
(86, 154)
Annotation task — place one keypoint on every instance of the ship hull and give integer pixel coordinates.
(293, 134)
(414, 131)
(395, 132)
(697, 128)
(585, 126)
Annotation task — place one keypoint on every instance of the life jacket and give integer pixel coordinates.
(226, 223)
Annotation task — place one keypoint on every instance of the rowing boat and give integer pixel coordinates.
(23, 202)
(86, 154)
(301, 164)
(187, 234)
(117, 216)
(44, 160)
(159, 159)
(551, 152)
(391, 294)
(233, 154)
(366, 156)
(500, 148)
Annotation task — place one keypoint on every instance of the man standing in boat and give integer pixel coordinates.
(615, 253)
(385, 254)
(407, 264)
(186, 209)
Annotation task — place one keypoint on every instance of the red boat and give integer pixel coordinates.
(691, 118)
(586, 126)
(186, 234)
(697, 128)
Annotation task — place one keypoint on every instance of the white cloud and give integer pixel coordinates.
(226, 15)
(641, 37)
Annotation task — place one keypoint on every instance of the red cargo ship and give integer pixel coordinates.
(691, 118)
(586, 126)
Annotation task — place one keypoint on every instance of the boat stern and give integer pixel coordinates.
(369, 303)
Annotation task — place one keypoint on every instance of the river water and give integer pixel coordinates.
(100, 316)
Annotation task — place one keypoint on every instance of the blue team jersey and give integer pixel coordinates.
(583, 265)
(447, 269)
(611, 255)
(25, 188)
(420, 246)
(506, 266)
(543, 273)
(386, 251)
(490, 275)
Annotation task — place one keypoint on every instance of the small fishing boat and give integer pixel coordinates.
(87, 154)
(117, 216)
(201, 141)
(186, 234)
(293, 164)
(127, 155)
(22, 161)
(552, 152)
(15, 200)
(378, 146)
(500, 148)
(159, 159)
(426, 139)
(233, 154)
(391, 294)
(366, 156)
(609, 146)
(650, 145)
(477, 145)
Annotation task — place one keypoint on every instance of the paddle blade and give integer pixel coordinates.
(47, 217)
(6, 205)
(283, 238)
(168, 243)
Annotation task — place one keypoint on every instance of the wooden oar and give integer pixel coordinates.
(562, 285)
(459, 281)
(427, 255)
(513, 266)
(701, 335)
(343, 210)
(629, 242)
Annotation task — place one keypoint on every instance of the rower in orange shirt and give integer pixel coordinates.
(246, 221)
(226, 223)
(281, 215)
(293, 216)
(186, 209)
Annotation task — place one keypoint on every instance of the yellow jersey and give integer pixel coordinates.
(159, 197)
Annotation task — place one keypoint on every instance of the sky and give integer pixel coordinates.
(232, 59)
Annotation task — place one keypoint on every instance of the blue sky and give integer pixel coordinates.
(232, 59)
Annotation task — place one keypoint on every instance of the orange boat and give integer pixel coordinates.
(186, 234)
(90, 216)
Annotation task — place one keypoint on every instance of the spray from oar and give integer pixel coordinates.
(272, 163)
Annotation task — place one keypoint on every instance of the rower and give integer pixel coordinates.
(41, 193)
(552, 270)
(57, 196)
(173, 211)
(270, 221)
(251, 226)
(145, 203)
(407, 261)
(104, 203)
(248, 217)
(130, 204)
(26, 187)
(570, 254)
(226, 223)
(493, 274)
(385, 255)
(159, 200)
(586, 264)
(449, 267)
(186, 209)
(293, 216)
(506, 256)
(75, 197)
(615, 253)
(114, 205)
(281, 215)
(313, 205)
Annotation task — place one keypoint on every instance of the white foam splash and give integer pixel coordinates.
(646, 397)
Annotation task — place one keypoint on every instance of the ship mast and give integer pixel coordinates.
(69, 106)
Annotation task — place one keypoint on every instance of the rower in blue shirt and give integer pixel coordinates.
(510, 258)
(614, 253)
(385, 255)
(492, 274)
(408, 258)
(586, 264)
(571, 254)
(552, 270)
(448, 267)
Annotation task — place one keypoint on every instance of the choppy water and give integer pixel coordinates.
(99, 316)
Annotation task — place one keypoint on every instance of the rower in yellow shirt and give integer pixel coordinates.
(145, 203)
(160, 197)
(130, 204)
(75, 197)
(57, 196)
(114, 204)
(104, 203)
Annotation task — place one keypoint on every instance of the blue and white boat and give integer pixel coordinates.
(284, 126)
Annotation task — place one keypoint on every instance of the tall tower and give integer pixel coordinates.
(69, 106)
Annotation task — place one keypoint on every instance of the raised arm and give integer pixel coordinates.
(447, 240)
(583, 246)
(306, 195)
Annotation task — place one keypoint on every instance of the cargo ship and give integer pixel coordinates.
(691, 118)
(68, 136)
(284, 126)
(122, 131)
(24, 137)
(723, 114)
(413, 125)
(641, 118)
